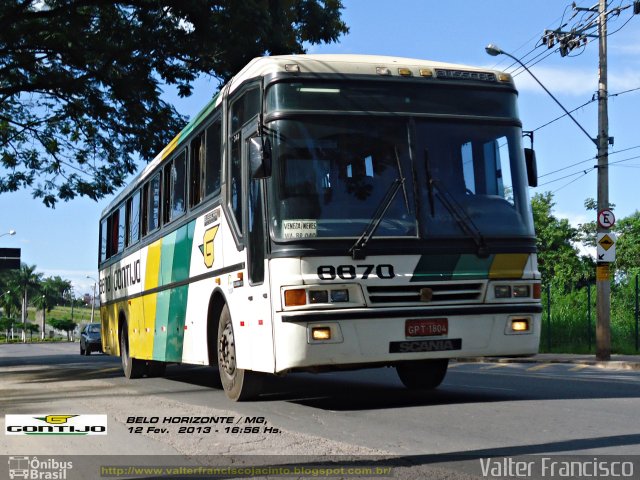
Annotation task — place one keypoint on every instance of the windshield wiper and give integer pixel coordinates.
(357, 249)
(462, 218)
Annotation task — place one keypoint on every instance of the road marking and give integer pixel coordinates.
(538, 367)
(497, 365)
(577, 368)
(483, 388)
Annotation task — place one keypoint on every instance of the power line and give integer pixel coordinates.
(590, 159)
(586, 172)
(593, 99)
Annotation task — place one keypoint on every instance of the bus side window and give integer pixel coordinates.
(174, 188)
(213, 164)
(243, 109)
(133, 219)
(121, 226)
(196, 170)
(154, 203)
(103, 240)
(144, 218)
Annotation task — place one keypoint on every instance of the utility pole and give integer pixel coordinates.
(603, 278)
(578, 37)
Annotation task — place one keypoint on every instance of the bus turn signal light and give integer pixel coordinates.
(295, 298)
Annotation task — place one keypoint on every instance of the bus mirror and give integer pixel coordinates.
(259, 158)
(532, 167)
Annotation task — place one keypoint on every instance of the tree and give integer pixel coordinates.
(45, 300)
(63, 324)
(80, 80)
(31, 328)
(6, 324)
(628, 244)
(559, 260)
(28, 282)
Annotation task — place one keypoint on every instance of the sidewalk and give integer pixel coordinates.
(617, 362)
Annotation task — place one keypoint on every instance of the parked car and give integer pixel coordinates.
(90, 339)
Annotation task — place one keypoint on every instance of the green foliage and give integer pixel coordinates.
(559, 261)
(81, 81)
(628, 244)
(62, 324)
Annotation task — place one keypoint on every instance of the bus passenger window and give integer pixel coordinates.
(121, 227)
(196, 170)
(154, 203)
(103, 240)
(133, 219)
(174, 188)
(213, 163)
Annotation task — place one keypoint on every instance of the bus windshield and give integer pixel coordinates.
(331, 175)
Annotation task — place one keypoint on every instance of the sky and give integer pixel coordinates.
(64, 241)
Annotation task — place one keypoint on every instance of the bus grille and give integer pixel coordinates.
(438, 292)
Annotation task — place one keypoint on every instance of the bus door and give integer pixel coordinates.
(258, 311)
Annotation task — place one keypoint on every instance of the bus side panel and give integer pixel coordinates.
(151, 263)
(206, 256)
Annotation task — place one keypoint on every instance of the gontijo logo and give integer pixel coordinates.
(55, 424)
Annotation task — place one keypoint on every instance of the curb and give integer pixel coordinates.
(605, 365)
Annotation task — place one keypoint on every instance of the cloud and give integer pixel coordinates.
(560, 81)
(78, 278)
(575, 82)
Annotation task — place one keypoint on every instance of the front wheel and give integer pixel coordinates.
(423, 374)
(238, 384)
(132, 367)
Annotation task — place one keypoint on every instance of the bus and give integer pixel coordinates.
(329, 212)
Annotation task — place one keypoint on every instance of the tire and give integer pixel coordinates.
(132, 367)
(81, 350)
(156, 368)
(423, 374)
(238, 384)
(87, 350)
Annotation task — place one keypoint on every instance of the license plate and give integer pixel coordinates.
(426, 327)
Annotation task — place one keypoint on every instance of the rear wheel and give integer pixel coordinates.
(238, 384)
(423, 374)
(132, 367)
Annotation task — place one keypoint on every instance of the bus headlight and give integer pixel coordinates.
(340, 295)
(502, 291)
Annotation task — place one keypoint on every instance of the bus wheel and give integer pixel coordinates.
(423, 374)
(238, 384)
(132, 367)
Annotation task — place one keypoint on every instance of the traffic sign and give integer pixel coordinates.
(606, 247)
(606, 218)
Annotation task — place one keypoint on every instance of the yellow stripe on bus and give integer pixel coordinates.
(508, 265)
(152, 272)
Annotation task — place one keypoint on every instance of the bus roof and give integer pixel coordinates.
(345, 64)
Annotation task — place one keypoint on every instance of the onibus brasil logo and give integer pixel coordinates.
(40, 469)
(56, 425)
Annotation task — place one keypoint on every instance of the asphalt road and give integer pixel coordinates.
(481, 410)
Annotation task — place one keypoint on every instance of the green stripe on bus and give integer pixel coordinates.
(182, 252)
(175, 323)
(472, 267)
(171, 307)
(435, 267)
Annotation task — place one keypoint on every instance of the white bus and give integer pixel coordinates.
(329, 212)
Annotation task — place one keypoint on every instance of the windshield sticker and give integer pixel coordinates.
(305, 228)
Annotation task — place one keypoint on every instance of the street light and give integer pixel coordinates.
(494, 51)
(93, 301)
(10, 232)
